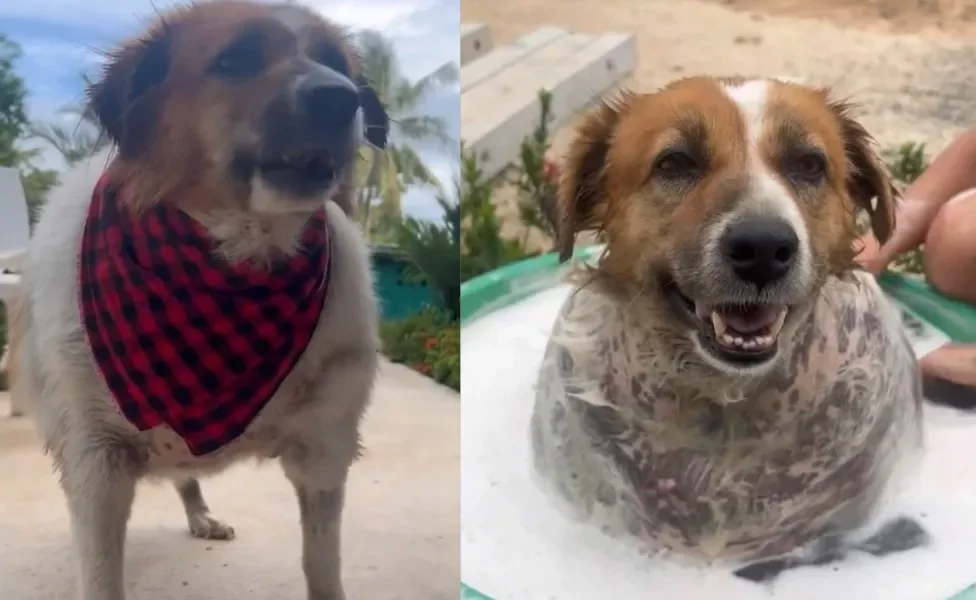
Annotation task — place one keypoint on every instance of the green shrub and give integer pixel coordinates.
(434, 251)
(482, 246)
(905, 164)
(429, 342)
(536, 176)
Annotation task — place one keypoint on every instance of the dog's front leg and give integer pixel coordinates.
(99, 481)
(319, 477)
(316, 461)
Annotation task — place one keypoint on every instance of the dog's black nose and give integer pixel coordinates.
(330, 107)
(760, 250)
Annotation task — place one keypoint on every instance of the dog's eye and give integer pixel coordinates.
(809, 166)
(676, 164)
(330, 56)
(243, 59)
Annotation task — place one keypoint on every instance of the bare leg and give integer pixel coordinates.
(950, 267)
(99, 483)
(950, 248)
(202, 524)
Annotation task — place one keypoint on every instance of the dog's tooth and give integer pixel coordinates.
(738, 341)
(728, 340)
(777, 325)
(718, 323)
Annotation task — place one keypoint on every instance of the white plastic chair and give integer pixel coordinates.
(14, 230)
(14, 234)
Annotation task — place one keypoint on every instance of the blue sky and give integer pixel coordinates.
(59, 39)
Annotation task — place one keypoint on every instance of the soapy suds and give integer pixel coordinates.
(516, 543)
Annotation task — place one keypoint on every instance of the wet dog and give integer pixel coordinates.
(199, 295)
(725, 383)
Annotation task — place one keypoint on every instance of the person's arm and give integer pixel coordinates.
(953, 171)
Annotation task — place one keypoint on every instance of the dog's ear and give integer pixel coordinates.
(868, 182)
(127, 98)
(376, 121)
(583, 180)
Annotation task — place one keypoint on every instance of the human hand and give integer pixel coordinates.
(912, 222)
(870, 255)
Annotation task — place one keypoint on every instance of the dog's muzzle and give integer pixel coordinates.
(751, 279)
(312, 135)
(760, 250)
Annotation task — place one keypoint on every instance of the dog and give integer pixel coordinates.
(725, 384)
(199, 294)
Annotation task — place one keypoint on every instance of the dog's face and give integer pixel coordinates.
(726, 202)
(264, 101)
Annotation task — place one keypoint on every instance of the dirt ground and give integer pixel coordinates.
(910, 64)
(933, 17)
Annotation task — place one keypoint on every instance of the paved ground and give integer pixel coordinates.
(400, 534)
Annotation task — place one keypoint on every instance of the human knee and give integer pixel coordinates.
(950, 248)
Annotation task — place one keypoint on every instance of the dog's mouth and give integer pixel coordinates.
(303, 172)
(739, 333)
(314, 165)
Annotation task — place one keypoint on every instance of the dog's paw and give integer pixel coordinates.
(897, 535)
(759, 572)
(206, 527)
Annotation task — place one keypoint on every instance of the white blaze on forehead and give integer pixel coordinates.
(768, 196)
(294, 18)
(299, 22)
(751, 98)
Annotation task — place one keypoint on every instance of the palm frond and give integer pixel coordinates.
(423, 128)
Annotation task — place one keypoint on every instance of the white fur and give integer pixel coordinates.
(311, 424)
(769, 196)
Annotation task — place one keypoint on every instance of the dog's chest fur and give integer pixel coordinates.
(646, 442)
(309, 394)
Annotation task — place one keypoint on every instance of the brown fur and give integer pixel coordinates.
(644, 421)
(605, 185)
(178, 129)
(179, 122)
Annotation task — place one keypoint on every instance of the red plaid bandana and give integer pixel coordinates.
(183, 338)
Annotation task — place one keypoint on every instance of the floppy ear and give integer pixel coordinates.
(868, 182)
(582, 185)
(127, 98)
(377, 122)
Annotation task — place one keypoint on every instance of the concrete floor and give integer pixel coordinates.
(400, 533)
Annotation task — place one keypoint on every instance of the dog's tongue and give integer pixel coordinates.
(749, 320)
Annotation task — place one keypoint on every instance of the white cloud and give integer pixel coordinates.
(375, 14)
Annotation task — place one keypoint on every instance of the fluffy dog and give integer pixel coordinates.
(725, 383)
(199, 295)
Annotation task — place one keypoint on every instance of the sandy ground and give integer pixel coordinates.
(917, 86)
(400, 533)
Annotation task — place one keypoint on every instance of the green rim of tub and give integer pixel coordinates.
(515, 282)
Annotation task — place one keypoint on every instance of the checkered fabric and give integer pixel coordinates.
(183, 338)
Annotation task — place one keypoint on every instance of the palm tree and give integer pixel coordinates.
(434, 250)
(73, 143)
(386, 174)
